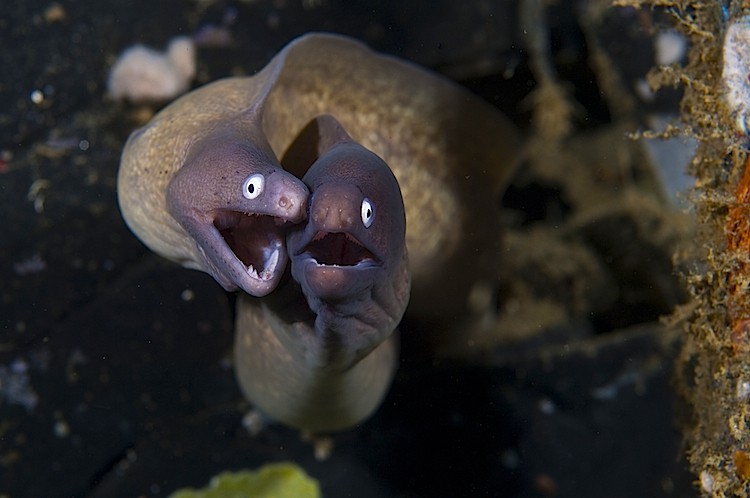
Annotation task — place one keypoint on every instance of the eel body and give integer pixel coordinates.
(325, 348)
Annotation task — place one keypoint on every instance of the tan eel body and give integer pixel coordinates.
(451, 153)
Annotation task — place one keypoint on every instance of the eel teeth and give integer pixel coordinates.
(270, 267)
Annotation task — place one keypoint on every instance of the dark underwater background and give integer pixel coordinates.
(115, 371)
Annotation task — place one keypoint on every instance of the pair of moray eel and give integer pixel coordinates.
(390, 157)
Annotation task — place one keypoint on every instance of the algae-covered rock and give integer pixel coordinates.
(275, 480)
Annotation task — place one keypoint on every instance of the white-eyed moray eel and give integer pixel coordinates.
(183, 189)
(326, 348)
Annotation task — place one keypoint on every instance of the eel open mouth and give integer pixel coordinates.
(256, 240)
(338, 249)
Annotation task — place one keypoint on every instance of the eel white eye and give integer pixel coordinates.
(368, 212)
(253, 186)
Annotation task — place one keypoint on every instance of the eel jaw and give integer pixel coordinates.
(249, 250)
(335, 266)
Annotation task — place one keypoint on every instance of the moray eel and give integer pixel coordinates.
(322, 357)
(451, 152)
(200, 185)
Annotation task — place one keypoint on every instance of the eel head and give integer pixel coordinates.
(355, 233)
(236, 202)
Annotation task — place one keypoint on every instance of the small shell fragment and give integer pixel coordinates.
(142, 74)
